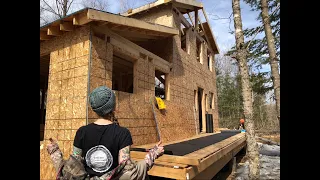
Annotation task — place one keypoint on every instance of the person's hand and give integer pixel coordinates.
(159, 149)
(52, 146)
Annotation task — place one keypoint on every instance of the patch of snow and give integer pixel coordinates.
(269, 163)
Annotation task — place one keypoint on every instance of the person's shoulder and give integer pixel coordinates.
(85, 127)
(122, 129)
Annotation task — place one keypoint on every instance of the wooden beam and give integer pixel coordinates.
(81, 19)
(167, 172)
(189, 2)
(145, 7)
(196, 20)
(54, 31)
(166, 164)
(184, 21)
(160, 78)
(208, 41)
(191, 19)
(213, 169)
(66, 26)
(102, 16)
(215, 41)
(124, 43)
(234, 148)
(44, 36)
(167, 158)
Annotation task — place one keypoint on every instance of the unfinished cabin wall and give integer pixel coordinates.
(133, 110)
(159, 15)
(189, 74)
(67, 92)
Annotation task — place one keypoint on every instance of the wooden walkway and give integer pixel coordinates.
(198, 158)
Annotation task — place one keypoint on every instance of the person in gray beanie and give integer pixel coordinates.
(103, 146)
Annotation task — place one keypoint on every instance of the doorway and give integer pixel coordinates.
(200, 94)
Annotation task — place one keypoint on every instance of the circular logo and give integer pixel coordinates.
(99, 158)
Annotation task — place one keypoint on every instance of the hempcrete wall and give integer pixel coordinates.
(67, 92)
(186, 76)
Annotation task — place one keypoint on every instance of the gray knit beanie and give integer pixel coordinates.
(102, 100)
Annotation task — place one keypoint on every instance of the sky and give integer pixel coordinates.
(215, 10)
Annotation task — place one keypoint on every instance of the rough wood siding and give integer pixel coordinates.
(161, 15)
(67, 92)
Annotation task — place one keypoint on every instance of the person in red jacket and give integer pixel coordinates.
(241, 124)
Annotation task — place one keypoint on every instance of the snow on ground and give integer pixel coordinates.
(269, 163)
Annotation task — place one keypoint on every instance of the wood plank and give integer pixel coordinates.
(44, 36)
(81, 19)
(167, 158)
(184, 21)
(208, 161)
(214, 39)
(102, 16)
(66, 26)
(54, 31)
(213, 169)
(191, 19)
(167, 164)
(194, 171)
(196, 20)
(167, 172)
(135, 35)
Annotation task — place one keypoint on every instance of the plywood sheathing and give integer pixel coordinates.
(67, 87)
(186, 76)
(161, 16)
(130, 107)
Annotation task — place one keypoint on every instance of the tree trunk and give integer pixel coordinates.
(275, 76)
(241, 56)
(65, 8)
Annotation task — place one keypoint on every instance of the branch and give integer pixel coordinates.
(69, 6)
(58, 8)
(221, 18)
(51, 10)
(258, 30)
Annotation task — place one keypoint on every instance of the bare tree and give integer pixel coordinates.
(58, 8)
(241, 57)
(275, 76)
(96, 4)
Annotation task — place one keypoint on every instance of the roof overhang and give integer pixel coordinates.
(211, 38)
(185, 5)
(113, 21)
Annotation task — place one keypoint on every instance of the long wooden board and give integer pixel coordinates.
(168, 158)
(207, 162)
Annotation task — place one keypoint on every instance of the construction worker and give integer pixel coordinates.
(103, 146)
(241, 124)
